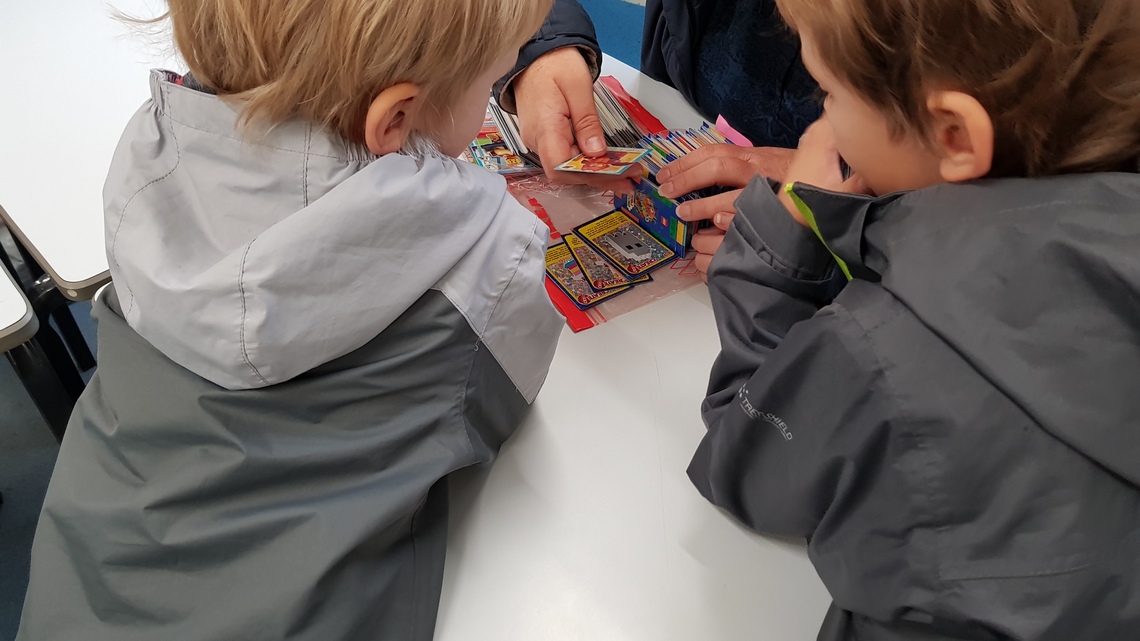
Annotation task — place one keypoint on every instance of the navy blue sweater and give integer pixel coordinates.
(727, 57)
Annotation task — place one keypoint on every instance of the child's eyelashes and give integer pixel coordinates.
(821, 95)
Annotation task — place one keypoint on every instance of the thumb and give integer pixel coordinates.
(579, 93)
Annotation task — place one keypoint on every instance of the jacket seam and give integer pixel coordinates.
(937, 523)
(463, 401)
(241, 327)
(416, 574)
(514, 273)
(499, 298)
(123, 213)
(305, 166)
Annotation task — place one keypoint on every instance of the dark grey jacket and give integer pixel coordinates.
(302, 343)
(957, 432)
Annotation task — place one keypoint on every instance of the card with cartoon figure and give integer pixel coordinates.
(600, 274)
(632, 249)
(563, 269)
(615, 162)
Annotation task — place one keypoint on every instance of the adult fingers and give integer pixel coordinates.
(555, 147)
(709, 208)
(578, 89)
(717, 170)
(772, 162)
(690, 160)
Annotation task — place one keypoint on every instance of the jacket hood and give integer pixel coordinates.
(249, 261)
(1035, 282)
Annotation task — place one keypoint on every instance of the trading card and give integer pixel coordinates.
(615, 162)
(632, 249)
(489, 133)
(497, 157)
(600, 274)
(564, 271)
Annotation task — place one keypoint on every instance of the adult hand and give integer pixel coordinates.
(557, 117)
(706, 242)
(722, 165)
(817, 164)
(718, 165)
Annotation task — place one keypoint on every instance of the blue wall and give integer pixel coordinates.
(619, 28)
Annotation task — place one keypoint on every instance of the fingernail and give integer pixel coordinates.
(667, 188)
(718, 220)
(594, 145)
(683, 211)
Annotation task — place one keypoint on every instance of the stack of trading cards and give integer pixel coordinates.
(508, 126)
(600, 274)
(618, 238)
(603, 258)
(664, 148)
(654, 212)
(563, 269)
(500, 147)
(492, 150)
(620, 128)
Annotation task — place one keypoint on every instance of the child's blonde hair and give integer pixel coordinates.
(1059, 78)
(327, 60)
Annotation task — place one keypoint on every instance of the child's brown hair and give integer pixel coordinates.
(1059, 78)
(326, 60)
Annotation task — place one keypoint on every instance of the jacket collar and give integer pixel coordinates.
(841, 222)
(862, 232)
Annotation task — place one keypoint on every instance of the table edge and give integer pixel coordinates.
(24, 329)
(72, 290)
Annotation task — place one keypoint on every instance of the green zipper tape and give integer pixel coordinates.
(806, 212)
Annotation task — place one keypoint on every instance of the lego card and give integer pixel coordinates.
(658, 215)
(619, 239)
(563, 269)
(599, 273)
(615, 162)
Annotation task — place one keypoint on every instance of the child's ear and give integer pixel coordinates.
(389, 120)
(963, 135)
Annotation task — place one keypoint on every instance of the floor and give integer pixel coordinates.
(27, 456)
(27, 448)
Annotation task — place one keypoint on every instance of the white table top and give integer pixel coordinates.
(587, 527)
(17, 322)
(72, 77)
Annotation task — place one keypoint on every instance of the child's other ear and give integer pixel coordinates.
(963, 135)
(389, 120)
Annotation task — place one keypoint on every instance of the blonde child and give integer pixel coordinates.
(957, 430)
(317, 315)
